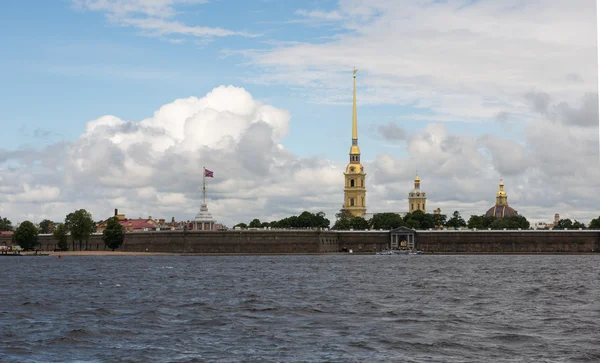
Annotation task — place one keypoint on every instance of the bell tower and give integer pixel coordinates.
(417, 197)
(354, 177)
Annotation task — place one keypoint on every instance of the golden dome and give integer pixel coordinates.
(354, 150)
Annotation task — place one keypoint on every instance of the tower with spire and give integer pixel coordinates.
(417, 197)
(354, 187)
(501, 209)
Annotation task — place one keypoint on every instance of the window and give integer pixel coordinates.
(418, 205)
(362, 182)
(412, 207)
(351, 182)
(352, 202)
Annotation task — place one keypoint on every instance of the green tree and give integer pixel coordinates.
(412, 224)
(359, 223)
(594, 223)
(5, 224)
(255, 223)
(343, 220)
(564, 224)
(60, 234)
(456, 221)
(26, 235)
(577, 225)
(81, 225)
(46, 226)
(386, 221)
(439, 220)
(114, 234)
(241, 225)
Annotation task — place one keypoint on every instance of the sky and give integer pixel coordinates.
(120, 104)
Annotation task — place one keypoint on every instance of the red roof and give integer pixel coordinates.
(136, 224)
(6, 233)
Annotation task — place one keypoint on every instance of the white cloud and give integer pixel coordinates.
(154, 17)
(154, 167)
(466, 61)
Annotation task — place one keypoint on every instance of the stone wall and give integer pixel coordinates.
(285, 241)
(509, 241)
(363, 241)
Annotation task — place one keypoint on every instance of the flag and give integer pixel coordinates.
(208, 173)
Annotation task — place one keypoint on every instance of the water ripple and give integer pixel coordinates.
(300, 309)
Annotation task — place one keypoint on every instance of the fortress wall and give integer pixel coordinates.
(509, 241)
(285, 241)
(365, 241)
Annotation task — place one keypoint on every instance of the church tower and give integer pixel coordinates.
(354, 188)
(416, 197)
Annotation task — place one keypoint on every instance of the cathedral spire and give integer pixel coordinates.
(354, 149)
(354, 120)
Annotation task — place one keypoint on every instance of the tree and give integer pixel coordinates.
(255, 223)
(81, 225)
(5, 224)
(114, 234)
(386, 221)
(577, 225)
(456, 221)
(439, 220)
(594, 223)
(564, 224)
(46, 226)
(241, 225)
(26, 235)
(343, 220)
(359, 223)
(60, 235)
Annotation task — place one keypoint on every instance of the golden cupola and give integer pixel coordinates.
(501, 209)
(354, 177)
(501, 198)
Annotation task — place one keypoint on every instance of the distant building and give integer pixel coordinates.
(131, 225)
(501, 209)
(544, 225)
(416, 197)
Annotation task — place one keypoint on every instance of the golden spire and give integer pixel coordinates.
(354, 150)
(354, 121)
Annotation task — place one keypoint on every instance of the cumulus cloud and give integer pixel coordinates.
(154, 166)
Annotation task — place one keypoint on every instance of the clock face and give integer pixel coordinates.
(352, 168)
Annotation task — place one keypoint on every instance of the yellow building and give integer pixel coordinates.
(354, 177)
(417, 197)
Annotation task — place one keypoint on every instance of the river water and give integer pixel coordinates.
(320, 308)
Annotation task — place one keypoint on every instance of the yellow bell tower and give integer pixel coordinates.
(417, 197)
(354, 188)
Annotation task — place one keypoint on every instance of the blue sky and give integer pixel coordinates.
(67, 65)
(457, 89)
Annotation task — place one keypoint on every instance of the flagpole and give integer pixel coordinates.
(204, 183)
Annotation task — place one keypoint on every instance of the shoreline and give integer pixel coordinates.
(124, 253)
